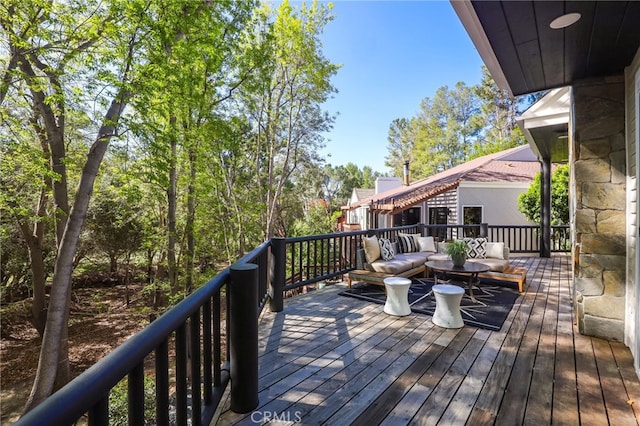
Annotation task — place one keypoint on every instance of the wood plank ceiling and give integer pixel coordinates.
(534, 57)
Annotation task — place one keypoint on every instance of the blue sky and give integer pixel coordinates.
(393, 55)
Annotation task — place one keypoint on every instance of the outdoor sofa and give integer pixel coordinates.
(380, 258)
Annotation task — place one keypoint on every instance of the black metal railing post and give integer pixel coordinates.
(484, 230)
(279, 258)
(243, 336)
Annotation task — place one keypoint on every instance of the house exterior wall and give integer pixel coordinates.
(598, 179)
(632, 314)
(385, 183)
(499, 202)
(446, 199)
(359, 216)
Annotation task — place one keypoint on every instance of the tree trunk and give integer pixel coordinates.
(171, 213)
(54, 351)
(113, 264)
(36, 258)
(54, 131)
(191, 213)
(34, 242)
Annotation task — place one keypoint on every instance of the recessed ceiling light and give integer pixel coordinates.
(565, 20)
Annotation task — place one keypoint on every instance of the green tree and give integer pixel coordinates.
(454, 126)
(49, 47)
(180, 119)
(498, 111)
(90, 59)
(318, 220)
(285, 104)
(529, 201)
(445, 129)
(401, 145)
(114, 223)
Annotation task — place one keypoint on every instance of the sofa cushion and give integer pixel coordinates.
(387, 251)
(415, 259)
(371, 248)
(394, 266)
(406, 244)
(496, 265)
(439, 256)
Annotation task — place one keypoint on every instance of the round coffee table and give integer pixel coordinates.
(472, 269)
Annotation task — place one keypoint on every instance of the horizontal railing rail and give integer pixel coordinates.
(519, 238)
(196, 328)
(316, 258)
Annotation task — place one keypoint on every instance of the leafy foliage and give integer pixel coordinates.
(118, 402)
(115, 226)
(453, 127)
(529, 201)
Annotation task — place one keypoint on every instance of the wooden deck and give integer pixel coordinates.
(328, 359)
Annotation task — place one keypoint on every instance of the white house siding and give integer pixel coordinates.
(499, 201)
(632, 313)
(358, 216)
(446, 199)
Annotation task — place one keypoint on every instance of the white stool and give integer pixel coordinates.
(447, 312)
(397, 296)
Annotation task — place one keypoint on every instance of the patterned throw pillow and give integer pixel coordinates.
(476, 247)
(387, 252)
(406, 244)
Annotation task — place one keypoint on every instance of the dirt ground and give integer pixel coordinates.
(100, 320)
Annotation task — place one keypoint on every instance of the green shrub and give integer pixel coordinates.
(118, 402)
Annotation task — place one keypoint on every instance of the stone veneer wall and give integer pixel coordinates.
(599, 185)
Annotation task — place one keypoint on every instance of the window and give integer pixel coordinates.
(472, 215)
(438, 216)
(407, 217)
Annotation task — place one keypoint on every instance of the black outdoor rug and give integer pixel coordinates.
(495, 301)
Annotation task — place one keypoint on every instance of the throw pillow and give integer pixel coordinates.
(415, 237)
(371, 248)
(426, 244)
(495, 250)
(406, 244)
(387, 251)
(476, 247)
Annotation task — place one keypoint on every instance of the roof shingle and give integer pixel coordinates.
(512, 165)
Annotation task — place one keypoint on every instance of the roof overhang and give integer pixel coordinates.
(525, 55)
(545, 125)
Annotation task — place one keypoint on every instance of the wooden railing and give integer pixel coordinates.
(216, 327)
(200, 330)
(519, 238)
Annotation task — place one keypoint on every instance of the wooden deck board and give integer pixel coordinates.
(628, 374)
(615, 395)
(591, 403)
(565, 395)
(332, 360)
(516, 393)
(538, 406)
(442, 394)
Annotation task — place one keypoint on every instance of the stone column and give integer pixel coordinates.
(599, 185)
